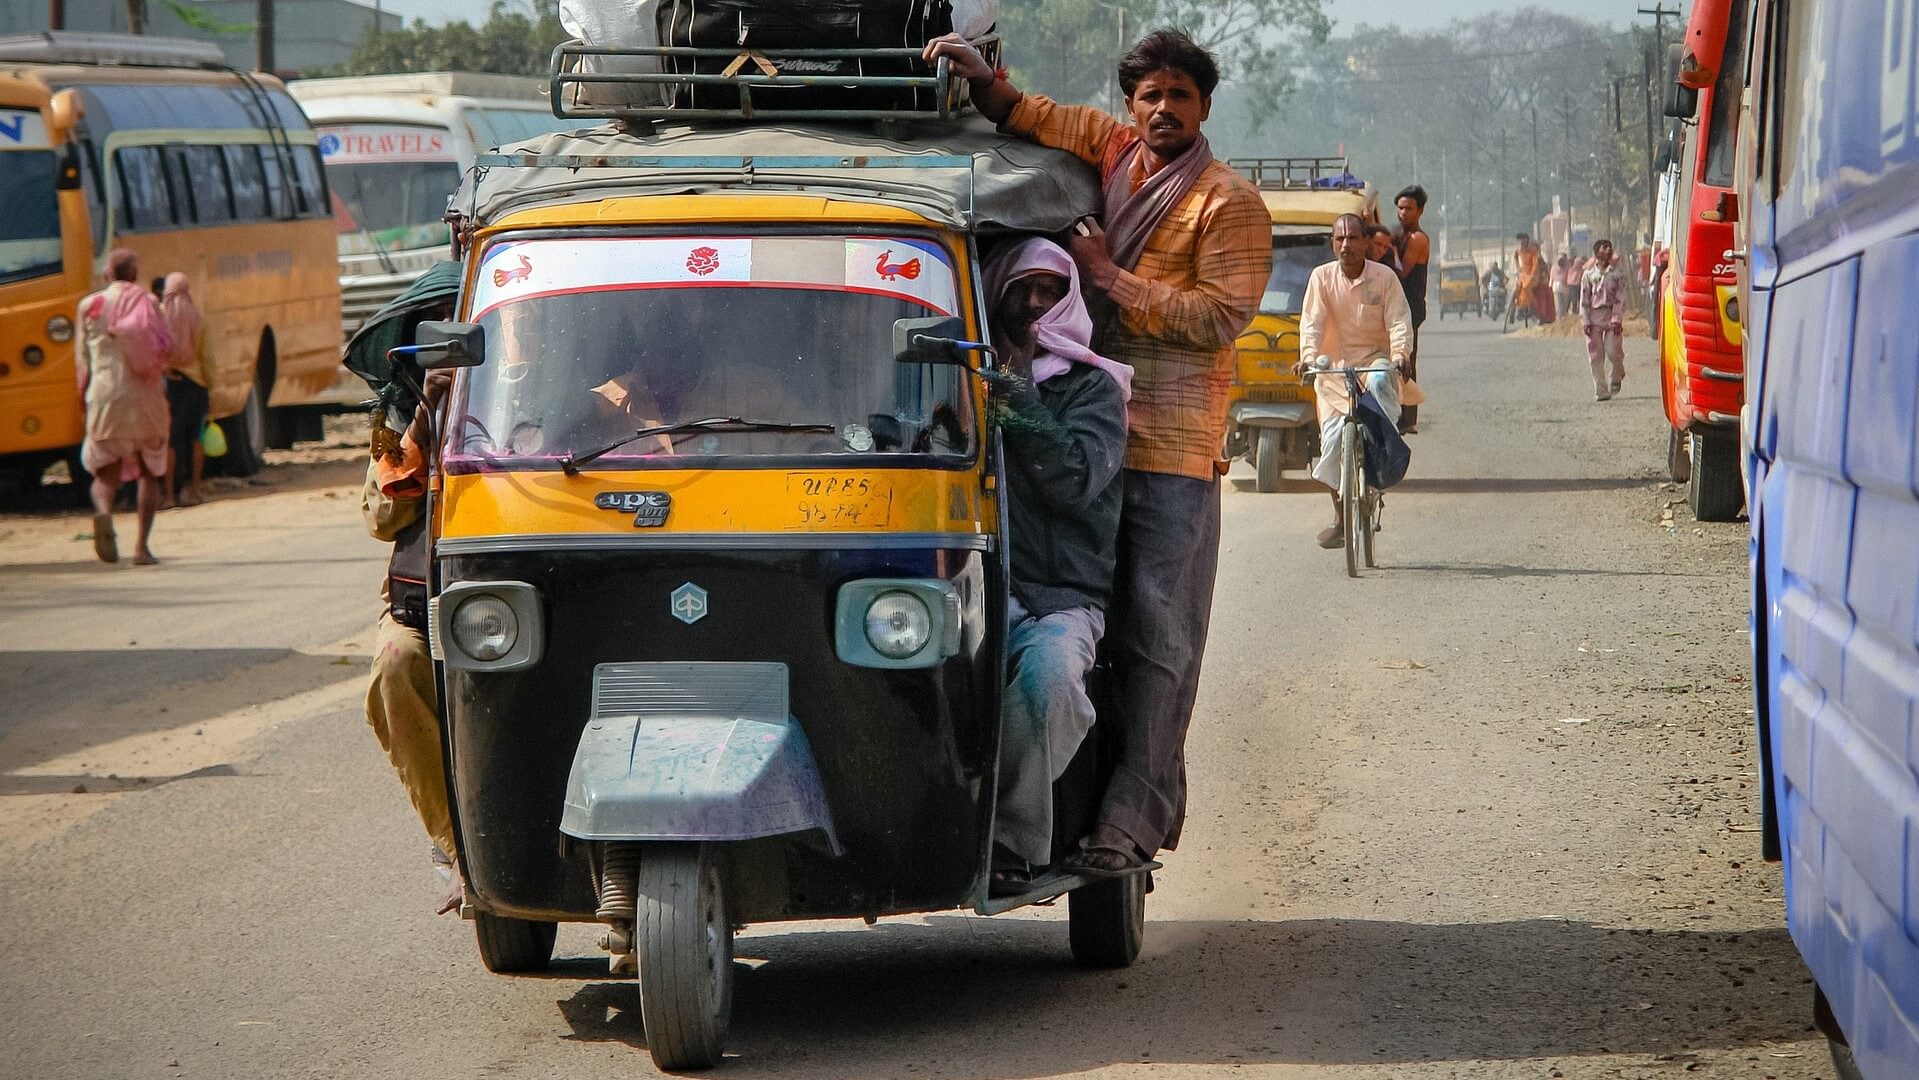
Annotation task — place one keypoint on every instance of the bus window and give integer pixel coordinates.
(280, 195)
(211, 201)
(1724, 125)
(185, 199)
(312, 181)
(143, 189)
(497, 127)
(397, 204)
(249, 184)
(29, 215)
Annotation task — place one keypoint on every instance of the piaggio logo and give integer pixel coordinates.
(649, 508)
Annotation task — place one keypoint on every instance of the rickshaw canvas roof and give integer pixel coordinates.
(1013, 185)
(1316, 207)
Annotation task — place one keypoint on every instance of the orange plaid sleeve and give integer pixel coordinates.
(1232, 260)
(1080, 130)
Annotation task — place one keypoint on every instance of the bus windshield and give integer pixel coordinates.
(392, 205)
(589, 340)
(29, 215)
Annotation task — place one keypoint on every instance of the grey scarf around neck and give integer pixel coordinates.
(1131, 216)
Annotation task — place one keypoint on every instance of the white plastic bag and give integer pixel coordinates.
(971, 18)
(619, 23)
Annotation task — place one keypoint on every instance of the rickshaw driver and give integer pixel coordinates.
(1065, 437)
(1355, 313)
(1184, 258)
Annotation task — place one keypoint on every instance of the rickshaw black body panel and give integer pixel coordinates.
(905, 756)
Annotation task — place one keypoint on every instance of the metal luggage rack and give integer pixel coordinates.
(748, 69)
(1297, 173)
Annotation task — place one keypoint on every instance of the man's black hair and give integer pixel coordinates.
(1522, 236)
(1168, 48)
(1373, 230)
(1414, 192)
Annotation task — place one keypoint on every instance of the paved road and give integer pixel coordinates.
(1484, 813)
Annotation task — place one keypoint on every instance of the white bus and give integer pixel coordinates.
(395, 147)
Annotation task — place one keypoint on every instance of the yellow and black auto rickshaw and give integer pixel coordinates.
(1271, 419)
(720, 581)
(1458, 287)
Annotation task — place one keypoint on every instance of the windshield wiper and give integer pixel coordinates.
(572, 462)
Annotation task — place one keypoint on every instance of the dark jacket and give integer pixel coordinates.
(1065, 443)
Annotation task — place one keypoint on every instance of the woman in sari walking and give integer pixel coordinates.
(123, 356)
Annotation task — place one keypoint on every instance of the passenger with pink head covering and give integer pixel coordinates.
(1064, 428)
(122, 356)
(186, 389)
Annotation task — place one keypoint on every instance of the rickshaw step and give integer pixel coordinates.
(1051, 886)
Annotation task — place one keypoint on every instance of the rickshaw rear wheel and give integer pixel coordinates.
(683, 942)
(1106, 922)
(512, 945)
(1267, 459)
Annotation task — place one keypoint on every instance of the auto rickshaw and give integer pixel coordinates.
(720, 571)
(1271, 420)
(1458, 287)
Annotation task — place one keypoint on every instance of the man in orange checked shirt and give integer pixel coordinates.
(1182, 261)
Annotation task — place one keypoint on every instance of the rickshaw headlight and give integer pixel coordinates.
(898, 625)
(484, 628)
(898, 622)
(60, 329)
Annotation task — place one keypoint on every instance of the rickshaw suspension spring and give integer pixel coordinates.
(619, 877)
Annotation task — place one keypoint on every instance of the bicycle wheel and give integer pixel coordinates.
(1352, 493)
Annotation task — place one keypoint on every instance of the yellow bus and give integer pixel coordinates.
(155, 146)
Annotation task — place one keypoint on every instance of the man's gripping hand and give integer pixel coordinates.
(967, 63)
(1087, 245)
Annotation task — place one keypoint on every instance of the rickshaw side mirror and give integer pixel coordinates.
(938, 339)
(444, 345)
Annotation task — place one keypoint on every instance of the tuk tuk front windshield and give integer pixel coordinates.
(1295, 257)
(589, 340)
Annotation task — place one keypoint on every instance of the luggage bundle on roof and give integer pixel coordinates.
(802, 59)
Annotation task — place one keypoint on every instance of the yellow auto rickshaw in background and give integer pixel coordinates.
(1458, 287)
(1271, 419)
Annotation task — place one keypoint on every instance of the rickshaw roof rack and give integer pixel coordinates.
(612, 82)
(961, 172)
(125, 50)
(1298, 173)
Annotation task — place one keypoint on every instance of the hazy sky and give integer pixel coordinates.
(1407, 13)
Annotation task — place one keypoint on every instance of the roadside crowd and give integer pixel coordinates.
(142, 370)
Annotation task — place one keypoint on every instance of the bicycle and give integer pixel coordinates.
(1359, 502)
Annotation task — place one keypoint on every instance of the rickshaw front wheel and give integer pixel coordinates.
(1106, 922)
(512, 945)
(1267, 454)
(683, 943)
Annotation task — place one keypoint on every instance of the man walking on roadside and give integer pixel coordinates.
(1602, 300)
(1183, 260)
(1415, 253)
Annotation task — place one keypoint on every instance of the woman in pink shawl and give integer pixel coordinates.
(123, 347)
(186, 390)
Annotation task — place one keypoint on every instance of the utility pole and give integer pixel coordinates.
(1651, 188)
(1538, 212)
(136, 16)
(1445, 215)
(1502, 196)
(263, 36)
(1659, 16)
(1566, 162)
(56, 14)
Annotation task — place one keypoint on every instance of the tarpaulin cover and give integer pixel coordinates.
(1015, 185)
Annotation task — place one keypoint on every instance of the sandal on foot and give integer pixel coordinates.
(1104, 863)
(105, 545)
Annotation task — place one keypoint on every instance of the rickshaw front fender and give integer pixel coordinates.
(693, 778)
(1286, 414)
